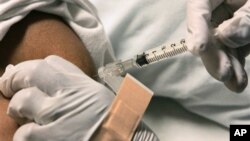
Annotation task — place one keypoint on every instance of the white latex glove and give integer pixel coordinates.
(54, 100)
(220, 36)
(64, 103)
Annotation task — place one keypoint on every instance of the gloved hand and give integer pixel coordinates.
(54, 100)
(219, 32)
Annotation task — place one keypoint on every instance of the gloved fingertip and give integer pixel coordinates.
(225, 72)
(13, 113)
(196, 46)
(4, 87)
(217, 64)
(5, 81)
(10, 66)
(235, 86)
(198, 49)
(26, 104)
(25, 132)
(239, 80)
(241, 86)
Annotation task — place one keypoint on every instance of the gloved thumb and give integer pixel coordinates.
(235, 32)
(239, 80)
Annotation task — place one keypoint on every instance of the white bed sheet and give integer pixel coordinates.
(171, 122)
(137, 25)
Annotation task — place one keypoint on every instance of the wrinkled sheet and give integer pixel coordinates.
(137, 25)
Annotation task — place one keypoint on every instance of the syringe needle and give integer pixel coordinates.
(111, 73)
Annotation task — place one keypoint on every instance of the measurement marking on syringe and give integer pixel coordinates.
(166, 51)
(155, 55)
(173, 45)
(172, 52)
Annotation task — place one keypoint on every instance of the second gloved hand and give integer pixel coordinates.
(219, 32)
(54, 100)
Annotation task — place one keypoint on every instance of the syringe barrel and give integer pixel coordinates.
(161, 53)
(151, 56)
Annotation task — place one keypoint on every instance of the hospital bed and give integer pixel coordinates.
(189, 105)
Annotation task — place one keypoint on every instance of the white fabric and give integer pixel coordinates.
(134, 26)
(79, 14)
(54, 100)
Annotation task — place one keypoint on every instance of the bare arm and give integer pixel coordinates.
(35, 37)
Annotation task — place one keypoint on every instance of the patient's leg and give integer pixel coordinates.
(37, 36)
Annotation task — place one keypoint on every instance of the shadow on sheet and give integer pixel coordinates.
(171, 122)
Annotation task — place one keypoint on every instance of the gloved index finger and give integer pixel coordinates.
(35, 73)
(199, 14)
(9, 76)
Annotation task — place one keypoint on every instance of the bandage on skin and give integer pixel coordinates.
(125, 112)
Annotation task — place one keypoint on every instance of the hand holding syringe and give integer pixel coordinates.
(111, 73)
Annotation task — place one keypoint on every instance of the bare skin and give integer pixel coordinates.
(35, 37)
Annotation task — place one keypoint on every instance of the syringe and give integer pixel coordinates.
(146, 58)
